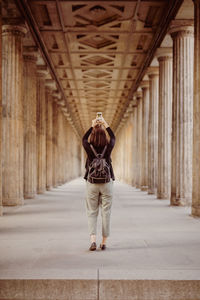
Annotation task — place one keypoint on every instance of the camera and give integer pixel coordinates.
(99, 116)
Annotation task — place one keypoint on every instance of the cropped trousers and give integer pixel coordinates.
(99, 195)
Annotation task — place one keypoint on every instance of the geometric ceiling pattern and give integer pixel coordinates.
(97, 49)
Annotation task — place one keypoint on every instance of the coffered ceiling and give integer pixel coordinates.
(98, 50)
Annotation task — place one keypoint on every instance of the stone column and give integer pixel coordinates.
(60, 147)
(182, 116)
(164, 56)
(1, 204)
(145, 119)
(139, 135)
(30, 171)
(55, 144)
(196, 113)
(153, 130)
(41, 133)
(134, 145)
(130, 142)
(12, 100)
(49, 138)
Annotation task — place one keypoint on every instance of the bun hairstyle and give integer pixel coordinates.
(98, 136)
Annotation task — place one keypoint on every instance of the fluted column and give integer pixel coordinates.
(12, 140)
(134, 145)
(30, 171)
(139, 136)
(130, 142)
(164, 56)
(145, 119)
(153, 130)
(182, 116)
(66, 152)
(1, 204)
(196, 113)
(55, 144)
(60, 133)
(49, 138)
(62, 149)
(41, 133)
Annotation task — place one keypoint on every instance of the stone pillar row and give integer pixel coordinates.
(166, 126)
(39, 148)
(122, 154)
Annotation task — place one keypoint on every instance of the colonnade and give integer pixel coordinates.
(171, 99)
(39, 147)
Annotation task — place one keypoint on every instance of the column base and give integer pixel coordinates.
(1, 211)
(180, 201)
(151, 192)
(41, 191)
(13, 202)
(49, 188)
(29, 196)
(163, 197)
(196, 210)
(144, 188)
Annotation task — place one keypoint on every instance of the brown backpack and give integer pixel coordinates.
(99, 169)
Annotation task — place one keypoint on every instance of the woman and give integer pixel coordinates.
(99, 194)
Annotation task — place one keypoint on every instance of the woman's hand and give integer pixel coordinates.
(104, 122)
(101, 122)
(94, 122)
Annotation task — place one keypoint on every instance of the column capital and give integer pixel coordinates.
(14, 30)
(144, 84)
(181, 28)
(30, 53)
(42, 71)
(50, 84)
(152, 71)
(134, 100)
(57, 95)
(164, 53)
(30, 58)
(138, 95)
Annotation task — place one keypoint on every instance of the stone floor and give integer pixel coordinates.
(48, 238)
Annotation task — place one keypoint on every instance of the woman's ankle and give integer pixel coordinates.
(93, 238)
(104, 239)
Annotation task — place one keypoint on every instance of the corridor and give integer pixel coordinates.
(48, 238)
(64, 63)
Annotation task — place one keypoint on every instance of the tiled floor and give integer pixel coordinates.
(48, 238)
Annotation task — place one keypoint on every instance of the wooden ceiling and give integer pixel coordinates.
(98, 50)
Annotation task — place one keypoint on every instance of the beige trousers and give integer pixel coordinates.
(99, 195)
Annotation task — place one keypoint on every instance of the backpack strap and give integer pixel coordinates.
(93, 150)
(95, 153)
(104, 150)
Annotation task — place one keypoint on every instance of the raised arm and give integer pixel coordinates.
(112, 137)
(85, 139)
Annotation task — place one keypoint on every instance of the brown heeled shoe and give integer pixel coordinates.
(93, 246)
(103, 246)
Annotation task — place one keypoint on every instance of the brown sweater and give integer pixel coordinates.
(90, 154)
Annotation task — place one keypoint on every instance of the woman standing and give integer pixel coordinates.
(99, 194)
